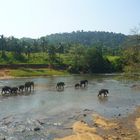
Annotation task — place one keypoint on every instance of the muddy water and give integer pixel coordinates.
(54, 111)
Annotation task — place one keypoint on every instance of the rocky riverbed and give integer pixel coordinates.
(75, 125)
(41, 127)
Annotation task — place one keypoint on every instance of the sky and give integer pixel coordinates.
(36, 18)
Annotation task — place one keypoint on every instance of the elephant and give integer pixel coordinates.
(6, 89)
(14, 90)
(84, 82)
(77, 85)
(104, 92)
(60, 85)
(21, 88)
(29, 85)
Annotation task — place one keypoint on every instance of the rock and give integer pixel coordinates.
(119, 115)
(4, 129)
(7, 120)
(28, 129)
(95, 124)
(2, 138)
(40, 122)
(116, 129)
(11, 138)
(57, 124)
(21, 128)
(36, 129)
(123, 134)
(84, 115)
(82, 121)
(86, 110)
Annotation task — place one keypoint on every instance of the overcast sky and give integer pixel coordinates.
(36, 18)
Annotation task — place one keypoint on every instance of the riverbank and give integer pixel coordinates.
(29, 72)
(100, 128)
(5, 74)
(125, 128)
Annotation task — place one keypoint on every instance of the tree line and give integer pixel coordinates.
(79, 51)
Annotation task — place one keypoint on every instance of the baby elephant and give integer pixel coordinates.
(60, 85)
(21, 88)
(14, 90)
(103, 92)
(77, 85)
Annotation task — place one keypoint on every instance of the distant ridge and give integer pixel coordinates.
(86, 38)
(106, 39)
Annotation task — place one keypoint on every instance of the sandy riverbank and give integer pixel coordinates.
(5, 74)
(126, 128)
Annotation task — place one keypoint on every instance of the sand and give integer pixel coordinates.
(4, 74)
(122, 128)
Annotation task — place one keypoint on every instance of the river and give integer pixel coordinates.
(46, 113)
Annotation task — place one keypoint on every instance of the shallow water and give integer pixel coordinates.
(46, 102)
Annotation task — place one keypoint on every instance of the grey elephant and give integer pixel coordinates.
(103, 92)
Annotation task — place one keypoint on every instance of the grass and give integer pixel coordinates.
(26, 72)
(112, 58)
(34, 58)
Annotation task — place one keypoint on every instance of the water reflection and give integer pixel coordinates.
(135, 87)
(102, 99)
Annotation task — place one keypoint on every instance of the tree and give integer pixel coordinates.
(43, 43)
(131, 52)
(131, 57)
(76, 56)
(60, 50)
(52, 55)
(2, 45)
(95, 61)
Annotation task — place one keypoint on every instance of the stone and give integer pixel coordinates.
(36, 129)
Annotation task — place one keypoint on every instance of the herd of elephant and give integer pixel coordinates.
(82, 84)
(27, 87)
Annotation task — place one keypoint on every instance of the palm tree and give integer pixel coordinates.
(2, 45)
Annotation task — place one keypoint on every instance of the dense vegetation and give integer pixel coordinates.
(78, 52)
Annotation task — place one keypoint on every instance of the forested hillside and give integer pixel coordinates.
(86, 52)
(106, 39)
